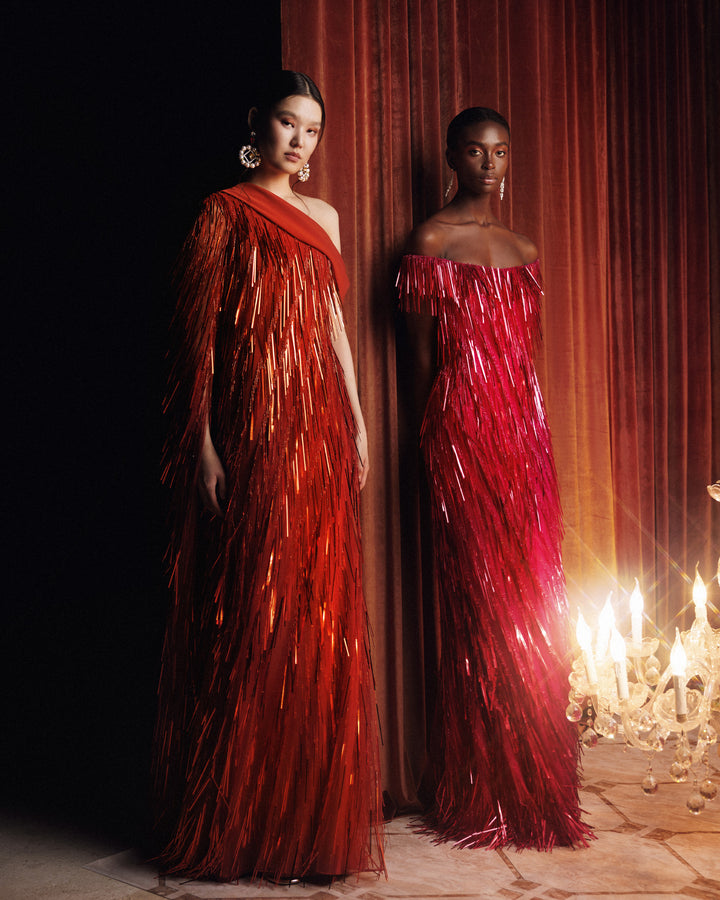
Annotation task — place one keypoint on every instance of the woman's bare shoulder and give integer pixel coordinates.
(428, 239)
(527, 249)
(325, 215)
(321, 210)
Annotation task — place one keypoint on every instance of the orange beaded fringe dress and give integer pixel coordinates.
(266, 751)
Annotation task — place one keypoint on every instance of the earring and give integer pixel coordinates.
(502, 188)
(304, 173)
(249, 154)
(450, 184)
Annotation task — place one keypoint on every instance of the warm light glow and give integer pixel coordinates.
(636, 600)
(584, 638)
(606, 620)
(626, 690)
(583, 633)
(636, 611)
(699, 591)
(678, 656)
(618, 653)
(617, 646)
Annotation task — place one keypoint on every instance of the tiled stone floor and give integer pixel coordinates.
(646, 847)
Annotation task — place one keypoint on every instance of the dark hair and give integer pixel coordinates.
(472, 116)
(285, 83)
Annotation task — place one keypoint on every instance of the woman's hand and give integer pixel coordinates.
(211, 479)
(361, 443)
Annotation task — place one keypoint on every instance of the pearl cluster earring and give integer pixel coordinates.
(249, 154)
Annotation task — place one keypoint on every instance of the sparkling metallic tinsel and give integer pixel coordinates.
(266, 745)
(505, 757)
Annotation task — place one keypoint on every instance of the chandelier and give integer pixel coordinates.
(620, 687)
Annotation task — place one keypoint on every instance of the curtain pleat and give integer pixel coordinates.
(665, 401)
(613, 108)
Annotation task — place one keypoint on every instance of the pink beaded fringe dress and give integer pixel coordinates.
(266, 755)
(505, 758)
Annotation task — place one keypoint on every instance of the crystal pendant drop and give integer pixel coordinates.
(645, 727)
(707, 734)
(649, 784)
(652, 671)
(658, 741)
(589, 739)
(678, 772)
(573, 712)
(683, 756)
(606, 726)
(695, 803)
(708, 789)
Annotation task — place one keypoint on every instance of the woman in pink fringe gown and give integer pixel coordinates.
(504, 757)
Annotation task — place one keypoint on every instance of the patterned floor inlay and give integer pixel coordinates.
(647, 848)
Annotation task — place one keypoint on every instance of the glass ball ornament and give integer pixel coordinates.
(649, 784)
(657, 741)
(683, 756)
(573, 712)
(606, 726)
(678, 772)
(708, 789)
(652, 670)
(589, 738)
(695, 803)
(707, 734)
(645, 727)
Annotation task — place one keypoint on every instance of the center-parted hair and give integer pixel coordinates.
(472, 116)
(277, 87)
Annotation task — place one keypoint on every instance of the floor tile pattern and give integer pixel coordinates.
(647, 848)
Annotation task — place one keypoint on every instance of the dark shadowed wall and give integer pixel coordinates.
(121, 118)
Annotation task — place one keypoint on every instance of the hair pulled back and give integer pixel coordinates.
(277, 87)
(472, 116)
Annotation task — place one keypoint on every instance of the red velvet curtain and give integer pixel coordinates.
(663, 295)
(613, 111)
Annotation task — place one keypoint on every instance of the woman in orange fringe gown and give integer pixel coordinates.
(266, 756)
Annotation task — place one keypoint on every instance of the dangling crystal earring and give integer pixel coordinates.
(304, 173)
(450, 184)
(502, 188)
(249, 154)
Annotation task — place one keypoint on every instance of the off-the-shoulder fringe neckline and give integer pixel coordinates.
(454, 262)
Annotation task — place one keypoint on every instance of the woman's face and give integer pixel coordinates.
(293, 131)
(481, 157)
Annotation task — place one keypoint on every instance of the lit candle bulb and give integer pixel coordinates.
(618, 653)
(636, 614)
(584, 638)
(700, 597)
(678, 666)
(606, 620)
